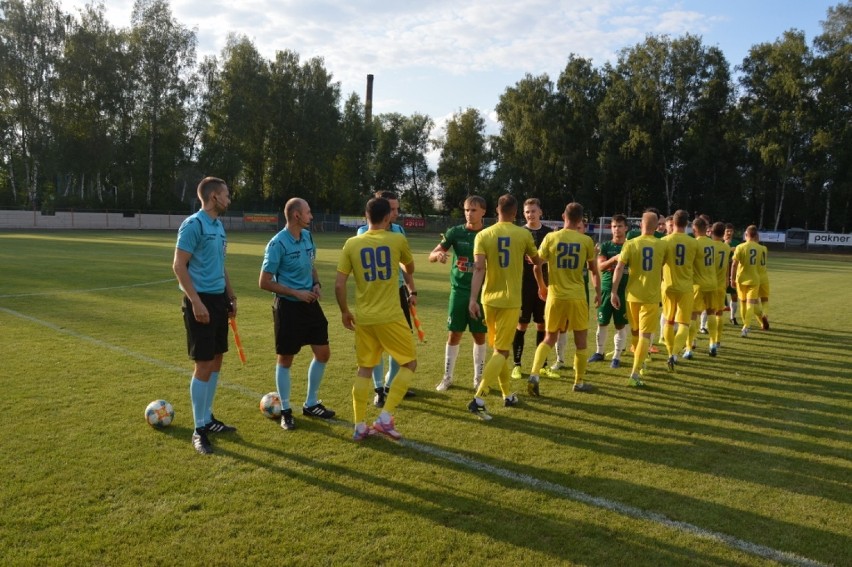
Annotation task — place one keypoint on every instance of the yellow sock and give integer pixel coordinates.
(580, 362)
(542, 351)
(634, 340)
(398, 388)
(681, 337)
(640, 354)
(693, 332)
(505, 377)
(719, 326)
(713, 327)
(757, 309)
(746, 313)
(362, 388)
(669, 338)
(491, 373)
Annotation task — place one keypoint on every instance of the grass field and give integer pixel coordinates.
(739, 460)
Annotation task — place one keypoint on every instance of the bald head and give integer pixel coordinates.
(649, 222)
(293, 206)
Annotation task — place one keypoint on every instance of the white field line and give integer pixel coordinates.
(523, 479)
(70, 291)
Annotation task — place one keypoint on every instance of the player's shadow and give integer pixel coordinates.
(462, 507)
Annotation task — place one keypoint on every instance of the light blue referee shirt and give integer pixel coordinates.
(204, 238)
(393, 228)
(291, 261)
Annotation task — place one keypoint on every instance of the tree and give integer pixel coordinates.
(164, 52)
(778, 96)
(352, 184)
(529, 162)
(579, 93)
(464, 165)
(399, 161)
(833, 135)
(235, 140)
(31, 39)
(90, 91)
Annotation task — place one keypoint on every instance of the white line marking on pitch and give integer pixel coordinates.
(527, 480)
(68, 291)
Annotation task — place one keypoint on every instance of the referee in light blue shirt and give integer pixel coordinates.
(199, 264)
(288, 271)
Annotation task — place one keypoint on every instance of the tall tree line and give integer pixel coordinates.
(99, 117)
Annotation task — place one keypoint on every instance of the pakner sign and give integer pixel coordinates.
(830, 239)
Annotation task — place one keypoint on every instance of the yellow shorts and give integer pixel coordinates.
(501, 323)
(748, 292)
(718, 300)
(566, 315)
(763, 290)
(394, 338)
(677, 306)
(702, 300)
(643, 316)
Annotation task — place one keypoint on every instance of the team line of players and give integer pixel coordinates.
(502, 278)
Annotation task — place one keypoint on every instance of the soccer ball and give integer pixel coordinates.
(270, 405)
(159, 413)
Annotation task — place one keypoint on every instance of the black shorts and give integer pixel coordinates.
(297, 324)
(532, 307)
(403, 302)
(204, 342)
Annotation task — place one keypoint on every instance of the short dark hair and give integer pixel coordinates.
(680, 218)
(729, 225)
(699, 225)
(751, 231)
(619, 218)
(389, 195)
(377, 209)
(476, 200)
(207, 186)
(718, 229)
(574, 212)
(507, 204)
(654, 210)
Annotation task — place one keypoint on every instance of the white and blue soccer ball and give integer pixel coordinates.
(159, 413)
(270, 405)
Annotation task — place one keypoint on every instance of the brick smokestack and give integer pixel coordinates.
(368, 105)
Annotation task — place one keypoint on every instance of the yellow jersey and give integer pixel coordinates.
(567, 253)
(722, 263)
(645, 256)
(748, 256)
(373, 259)
(761, 264)
(504, 246)
(679, 271)
(705, 274)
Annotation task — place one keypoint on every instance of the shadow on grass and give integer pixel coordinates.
(453, 508)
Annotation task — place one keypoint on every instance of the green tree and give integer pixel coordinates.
(833, 135)
(464, 164)
(530, 164)
(234, 142)
(164, 52)
(31, 42)
(576, 133)
(90, 91)
(304, 130)
(352, 164)
(778, 89)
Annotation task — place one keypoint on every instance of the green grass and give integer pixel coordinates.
(754, 444)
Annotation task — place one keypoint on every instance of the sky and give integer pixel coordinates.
(437, 57)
